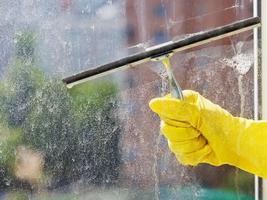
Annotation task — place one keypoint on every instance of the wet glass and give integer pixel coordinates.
(72, 36)
(99, 140)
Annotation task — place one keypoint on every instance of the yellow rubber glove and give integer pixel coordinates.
(199, 131)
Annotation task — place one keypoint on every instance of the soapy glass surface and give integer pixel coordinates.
(99, 139)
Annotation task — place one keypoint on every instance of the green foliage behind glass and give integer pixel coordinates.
(75, 130)
(25, 46)
(97, 125)
(20, 83)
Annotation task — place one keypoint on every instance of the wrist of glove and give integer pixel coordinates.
(199, 131)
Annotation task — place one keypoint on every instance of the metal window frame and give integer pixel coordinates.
(261, 184)
(258, 182)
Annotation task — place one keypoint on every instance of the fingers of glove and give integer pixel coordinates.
(176, 123)
(175, 109)
(190, 96)
(178, 134)
(194, 158)
(188, 146)
(212, 159)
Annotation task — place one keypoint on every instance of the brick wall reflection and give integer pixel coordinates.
(202, 69)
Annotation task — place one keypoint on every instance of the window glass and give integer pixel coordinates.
(99, 139)
(76, 35)
(159, 10)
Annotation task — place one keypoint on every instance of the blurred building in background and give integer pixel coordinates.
(154, 22)
(164, 20)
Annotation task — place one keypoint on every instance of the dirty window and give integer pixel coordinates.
(99, 140)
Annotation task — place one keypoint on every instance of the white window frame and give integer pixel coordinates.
(261, 184)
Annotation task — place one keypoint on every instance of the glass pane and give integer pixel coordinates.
(72, 36)
(154, 22)
(99, 140)
(221, 71)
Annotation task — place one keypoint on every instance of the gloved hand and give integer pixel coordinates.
(199, 131)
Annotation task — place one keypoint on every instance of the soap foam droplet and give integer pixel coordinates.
(241, 63)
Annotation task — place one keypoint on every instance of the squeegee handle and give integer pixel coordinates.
(175, 89)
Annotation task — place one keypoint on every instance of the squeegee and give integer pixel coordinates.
(162, 53)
